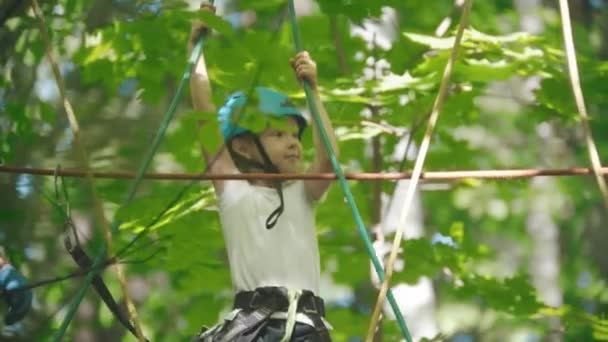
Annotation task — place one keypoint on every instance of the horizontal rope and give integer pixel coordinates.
(364, 176)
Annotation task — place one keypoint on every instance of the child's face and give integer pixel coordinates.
(283, 146)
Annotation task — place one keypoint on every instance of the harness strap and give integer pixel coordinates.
(254, 319)
(294, 297)
(308, 303)
(320, 327)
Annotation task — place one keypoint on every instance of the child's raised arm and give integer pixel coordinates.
(306, 69)
(202, 100)
(200, 87)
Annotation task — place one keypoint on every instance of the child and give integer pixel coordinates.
(18, 303)
(269, 226)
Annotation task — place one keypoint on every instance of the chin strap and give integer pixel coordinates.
(272, 219)
(268, 167)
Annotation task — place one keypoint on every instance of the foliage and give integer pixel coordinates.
(122, 61)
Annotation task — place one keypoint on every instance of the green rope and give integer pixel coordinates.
(342, 180)
(99, 259)
(196, 52)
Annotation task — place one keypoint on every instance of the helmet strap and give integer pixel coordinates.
(268, 167)
(242, 162)
(272, 219)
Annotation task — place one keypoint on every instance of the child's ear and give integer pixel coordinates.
(242, 146)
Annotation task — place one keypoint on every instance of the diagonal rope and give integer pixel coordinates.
(156, 219)
(344, 184)
(407, 204)
(577, 91)
(82, 154)
(196, 52)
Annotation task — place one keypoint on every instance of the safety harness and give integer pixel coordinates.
(254, 310)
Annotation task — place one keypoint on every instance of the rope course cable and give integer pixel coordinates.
(579, 98)
(83, 156)
(411, 191)
(344, 184)
(505, 174)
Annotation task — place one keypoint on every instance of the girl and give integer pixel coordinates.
(268, 226)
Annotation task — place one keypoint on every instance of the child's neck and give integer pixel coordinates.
(259, 182)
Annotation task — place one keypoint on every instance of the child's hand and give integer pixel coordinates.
(198, 27)
(305, 68)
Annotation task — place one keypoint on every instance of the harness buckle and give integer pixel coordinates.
(307, 310)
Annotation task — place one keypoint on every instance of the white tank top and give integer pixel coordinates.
(286, 255)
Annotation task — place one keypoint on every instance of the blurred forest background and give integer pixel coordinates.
(515, 260)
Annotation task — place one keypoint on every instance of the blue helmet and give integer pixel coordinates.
(270, 103)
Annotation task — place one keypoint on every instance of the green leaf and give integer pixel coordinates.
(431, 41)
(217, 23)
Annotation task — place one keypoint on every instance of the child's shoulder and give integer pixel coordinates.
(232, 191)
